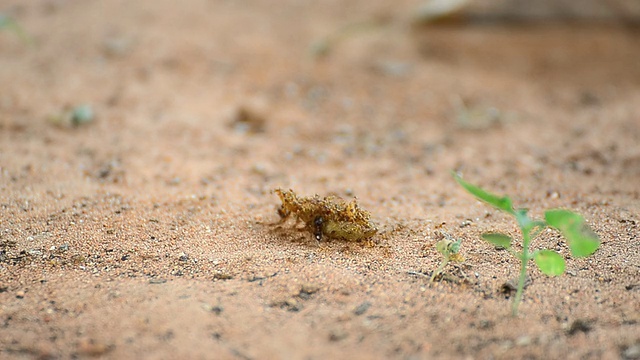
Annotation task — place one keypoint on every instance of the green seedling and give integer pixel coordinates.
(10, 24)
(449, 248)
(74, 117)
(323, 47)
(581, 239)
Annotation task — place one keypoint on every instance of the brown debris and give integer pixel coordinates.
(328, 216)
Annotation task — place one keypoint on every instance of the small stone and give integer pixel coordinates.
(250, 118)
(214, 309)
(183, 257)
(337, 335)
(92, 348)
(308, 288)
(580, 325)
(217, 309)
(291, 303)
(632, 352)
(362, 308)
(523, 340)
(117, 46)
(222, 276)
(20, 294)
(486, 324)
(511, 286)
(466, 223)
(157, 281)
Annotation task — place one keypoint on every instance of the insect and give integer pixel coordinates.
(330, 217)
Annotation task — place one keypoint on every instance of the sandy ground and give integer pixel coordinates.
(146, 233)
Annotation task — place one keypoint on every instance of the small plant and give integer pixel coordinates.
(581, 239)
(73, 117)
(10, 24)
(449, 247)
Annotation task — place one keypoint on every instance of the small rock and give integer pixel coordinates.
(117, 46)
(308, 288)
(250, 118)
(92, 348)
(174, 181)
(511, 286)
(580, 325)
(486, 324)
(466, 223)
(214, 309)
(292, 303)
(157, 281)
(632, 352)
(34, 252)
(523, 340)
(337, 335)
(20, 294)
(183, 257)
(393, 68)
(222, 276)
(362, 308)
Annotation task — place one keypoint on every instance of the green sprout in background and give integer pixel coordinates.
(581, 239)
(8, 23)
(73, 116)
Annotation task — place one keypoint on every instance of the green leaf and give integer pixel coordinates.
(8, 23)
(442, 247)
(582, 240)
(454, 247)
(549, 262)
(502, 203)
(497, 239)
(5, 21)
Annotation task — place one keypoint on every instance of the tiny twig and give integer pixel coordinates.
(418, 274)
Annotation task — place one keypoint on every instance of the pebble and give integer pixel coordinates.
(632, 352)
(308, 288)
(217, 309)
(362, 308)
(337, 335)
(523, 340)
(92, 348)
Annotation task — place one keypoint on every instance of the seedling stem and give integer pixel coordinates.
(582, 241)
